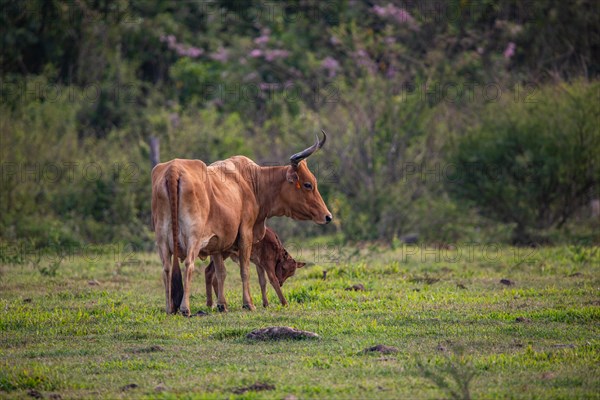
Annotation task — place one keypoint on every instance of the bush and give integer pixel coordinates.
(532, 164)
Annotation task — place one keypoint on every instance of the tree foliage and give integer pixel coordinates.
(86, 83)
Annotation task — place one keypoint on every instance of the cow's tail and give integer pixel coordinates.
(176, 279)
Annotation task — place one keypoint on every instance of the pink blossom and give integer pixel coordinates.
(193, 52)
(271, 55)
(222, 55)
(180, 48)
(331, 65)
(255, 53)
(264, 86)
(263, 39)
(510, 50)
(362, 58)
(399, 15)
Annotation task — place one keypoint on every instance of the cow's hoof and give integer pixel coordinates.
(185, 312)
(266, 304)
(249, 307)
(221, 307)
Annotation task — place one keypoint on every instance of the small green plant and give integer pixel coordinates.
(51, 269)
(583, 255)
(454, 375)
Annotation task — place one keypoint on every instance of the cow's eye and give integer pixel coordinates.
(308, 185)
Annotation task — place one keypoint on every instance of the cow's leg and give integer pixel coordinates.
(275, 283)
(215, 285)
(193, 249)
(221, 273)
(262, 280)
(165, 257)
(209, 274)
(245, 247)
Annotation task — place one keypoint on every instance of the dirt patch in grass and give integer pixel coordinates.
(35, 394)
(255, 387)
(429, 280)
(129, 387)
(357, 288)
(381, 348)
(524, 320)
(280, 333)
(150, 349)
(507, 282)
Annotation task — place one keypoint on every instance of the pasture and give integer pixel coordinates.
(93, 325)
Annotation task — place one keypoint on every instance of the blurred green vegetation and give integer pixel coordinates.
(412, 95)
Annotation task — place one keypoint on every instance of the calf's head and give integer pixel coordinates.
(286, 267)
(301, 195)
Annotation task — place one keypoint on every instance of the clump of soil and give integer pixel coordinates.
(381, 348)
(129, 387)
(255, 387)
(523, 319)
(507, 282)
(35, 394)
(160, 388)
(151, 349)
(357, 288)
(280, 333)
(429, 280)
(564, 346)
(199, 314)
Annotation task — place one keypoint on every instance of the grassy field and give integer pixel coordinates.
(93, 325)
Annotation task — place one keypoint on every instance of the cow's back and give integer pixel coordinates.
(212, 201)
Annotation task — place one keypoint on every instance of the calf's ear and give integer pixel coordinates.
(300, 265)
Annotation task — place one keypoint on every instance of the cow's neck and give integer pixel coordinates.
(270, 181)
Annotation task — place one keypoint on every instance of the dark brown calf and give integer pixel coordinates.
(269, 256)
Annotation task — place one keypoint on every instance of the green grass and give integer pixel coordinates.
(445, 313)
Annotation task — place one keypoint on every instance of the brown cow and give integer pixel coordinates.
(270, 257)
(214, 210)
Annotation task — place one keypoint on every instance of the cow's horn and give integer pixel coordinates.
(296, 158)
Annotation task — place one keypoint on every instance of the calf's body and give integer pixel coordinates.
(270, 258)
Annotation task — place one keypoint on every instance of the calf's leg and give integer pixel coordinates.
(275, 283)
(262, 280)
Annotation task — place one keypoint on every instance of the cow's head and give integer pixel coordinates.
(301, 195)
(286, 267)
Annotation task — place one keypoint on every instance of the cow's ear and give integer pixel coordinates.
(300, 265)
(292, 175)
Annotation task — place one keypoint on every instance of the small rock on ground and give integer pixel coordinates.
(160, 388)
(358, 287)
(381, 348)
(507, 282)
(35, 394)
(150, 349)
(93, 282)
(564, 346)
(280, 332)
(256, 387)
(199, 314)
(523, 319)
(128, 387)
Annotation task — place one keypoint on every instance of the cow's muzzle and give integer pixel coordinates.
(328, 218)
